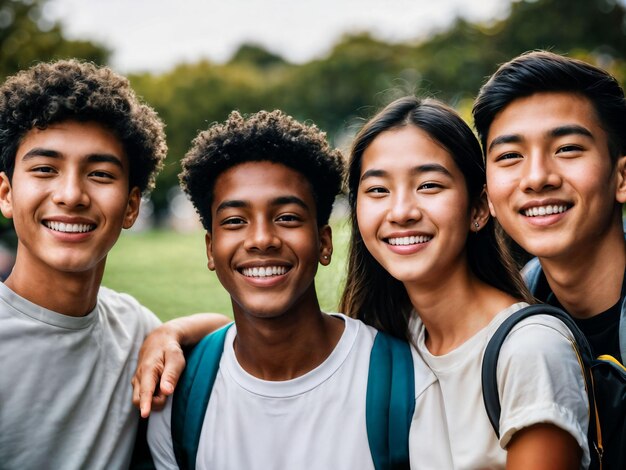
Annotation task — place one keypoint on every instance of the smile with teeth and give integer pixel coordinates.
(266, 271)
(409, 240)
(545, 210)
(69, 228)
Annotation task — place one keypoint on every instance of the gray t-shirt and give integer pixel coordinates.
(65, 392)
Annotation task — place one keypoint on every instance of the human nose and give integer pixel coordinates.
(71, 192)
(262, 236)
(404, 208)
(539, 174)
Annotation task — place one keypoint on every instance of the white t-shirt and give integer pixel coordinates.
(316, 421)
(539, 381)
(65, 392)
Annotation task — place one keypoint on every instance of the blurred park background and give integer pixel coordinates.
(162, 261)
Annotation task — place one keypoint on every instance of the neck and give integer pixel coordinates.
(287, 346)
(590, 282)
(455, 308)
(67, 293)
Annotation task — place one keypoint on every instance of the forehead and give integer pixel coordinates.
(72, 140)
(404, 149)
(260, 182)
(539, 114)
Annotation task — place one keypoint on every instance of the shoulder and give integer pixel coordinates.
(125, 308)
(357, 329)
(538, 335)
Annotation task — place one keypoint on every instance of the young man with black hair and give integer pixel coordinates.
(77, 150)
(290, 376)
(553, 131)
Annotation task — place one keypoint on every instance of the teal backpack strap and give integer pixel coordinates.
(390, 402)
(192, 396)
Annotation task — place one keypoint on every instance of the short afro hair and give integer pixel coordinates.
(264, 136)
(49, 93)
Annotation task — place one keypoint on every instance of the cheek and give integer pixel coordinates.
(496, 195)
(364, 223)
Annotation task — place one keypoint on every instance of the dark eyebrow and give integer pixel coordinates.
(284, 200)
(91, 158)
(279, 201)
(504, 139)
(431, 167)
(230, 204)
(561, 131)
(41, 152)
(426, 168)
(373, 174)
(569, 130)
(105, 158)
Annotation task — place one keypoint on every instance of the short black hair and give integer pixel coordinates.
(54, 92)
(543, 71)
(264, 136)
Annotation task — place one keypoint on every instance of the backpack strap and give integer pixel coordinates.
(492, 351)
(192, 396)
(390, 402)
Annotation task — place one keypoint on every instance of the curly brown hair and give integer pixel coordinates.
(53, 92)
(264, 136)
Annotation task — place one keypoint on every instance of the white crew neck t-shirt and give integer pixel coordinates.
(539, 381)
(315, 421)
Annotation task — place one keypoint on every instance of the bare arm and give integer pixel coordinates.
(543, 446)
(161, 360)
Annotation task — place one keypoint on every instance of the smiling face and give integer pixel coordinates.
(68, 197)
(265, 243)
(412, 206)
(550, 179)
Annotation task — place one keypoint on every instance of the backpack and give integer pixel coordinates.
(390, 400)
(605, 381)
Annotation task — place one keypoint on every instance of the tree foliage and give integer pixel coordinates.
(357, 76)
(28, 36)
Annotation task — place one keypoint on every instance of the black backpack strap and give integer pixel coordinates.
(492, 351)
(192, 396)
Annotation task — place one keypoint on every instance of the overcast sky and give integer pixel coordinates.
(154, 35)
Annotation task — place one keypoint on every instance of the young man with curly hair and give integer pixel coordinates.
(77, 150)
(553, 131)
(290, 376)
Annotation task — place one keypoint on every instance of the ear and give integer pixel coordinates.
(479, 214)
(209, 251)
(132, 207)
(326, 245)
(620, 190)
(6, 196)
(492, 210)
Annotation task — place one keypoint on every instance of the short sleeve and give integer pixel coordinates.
(540, 380)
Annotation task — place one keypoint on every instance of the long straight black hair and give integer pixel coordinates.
(371, 293)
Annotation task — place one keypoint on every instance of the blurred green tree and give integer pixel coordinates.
(361, 73)
(28, 36)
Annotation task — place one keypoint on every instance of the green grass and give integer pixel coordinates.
(166, 271)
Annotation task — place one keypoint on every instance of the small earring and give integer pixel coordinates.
(477, 225)
(326, 257)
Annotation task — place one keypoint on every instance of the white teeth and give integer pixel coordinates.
(409, 240)
(266, 271)
(69, 228)
(545, 210)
